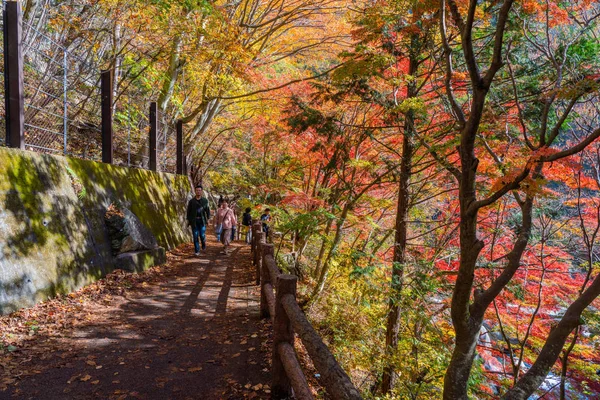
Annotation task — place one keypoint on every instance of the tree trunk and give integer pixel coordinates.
(466, 329)
(565, 365)
(401, 235)
(554, 344)
(317, 271)
(172, 74)
(332, 251)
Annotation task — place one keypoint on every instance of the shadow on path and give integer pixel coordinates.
(196, 335)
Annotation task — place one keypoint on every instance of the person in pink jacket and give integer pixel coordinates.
(227, 220)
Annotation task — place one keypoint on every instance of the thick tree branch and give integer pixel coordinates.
(498, 43)
(458, 112)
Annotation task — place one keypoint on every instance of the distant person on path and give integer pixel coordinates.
(266, 218)
(218, 225)
(235, 227)
(247, 225)
(198, 213)
(227, 219)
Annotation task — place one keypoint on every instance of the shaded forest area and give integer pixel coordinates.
(433, 168)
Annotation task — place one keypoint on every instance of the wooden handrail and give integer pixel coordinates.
(270, 297)
(289, 320)
(294, 372)
(333, 377)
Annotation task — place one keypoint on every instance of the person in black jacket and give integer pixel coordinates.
(198, 214)
(247, 225)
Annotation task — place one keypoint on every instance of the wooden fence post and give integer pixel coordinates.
(180, 156)
(265, 277)
(152, 138)
(13, 75)
(256, 229)
(260, 240)
(282, 332)
(106, 89)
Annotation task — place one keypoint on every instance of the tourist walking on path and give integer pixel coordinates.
(247, 225)
(227, 220)
(266, 218)
(198, 213)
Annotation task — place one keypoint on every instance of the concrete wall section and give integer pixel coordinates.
(52, 234)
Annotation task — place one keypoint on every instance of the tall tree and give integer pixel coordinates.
(469, 305)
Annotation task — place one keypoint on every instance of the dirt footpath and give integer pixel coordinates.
(188, 330)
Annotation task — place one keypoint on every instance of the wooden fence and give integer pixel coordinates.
(278, 301)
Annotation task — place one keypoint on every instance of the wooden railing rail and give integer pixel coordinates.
(288, 321)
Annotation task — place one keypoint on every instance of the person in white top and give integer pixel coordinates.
(227, 219)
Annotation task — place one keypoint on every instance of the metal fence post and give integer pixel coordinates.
(129, 134)
(152, 138)
(107, 119)
(179, 161)
(65, 103)
(13, 75)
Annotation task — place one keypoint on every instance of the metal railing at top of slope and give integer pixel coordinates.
(278, 301)
(166, 142)
(62, 99)
(131, 125)
(62, 102)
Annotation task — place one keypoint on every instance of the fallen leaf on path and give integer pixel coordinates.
(86, 378)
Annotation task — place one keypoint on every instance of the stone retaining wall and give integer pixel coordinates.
(52, 234)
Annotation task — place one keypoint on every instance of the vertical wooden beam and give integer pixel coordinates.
(13, 75)
(265, 277)
(152, 138)
(282, 332)
(260, 241)
(180, 160)
(256, 230)
(106, 88)
(252, 243)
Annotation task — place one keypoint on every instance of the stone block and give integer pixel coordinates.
(139, 261)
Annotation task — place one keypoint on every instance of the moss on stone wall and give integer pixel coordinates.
(52, 234)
